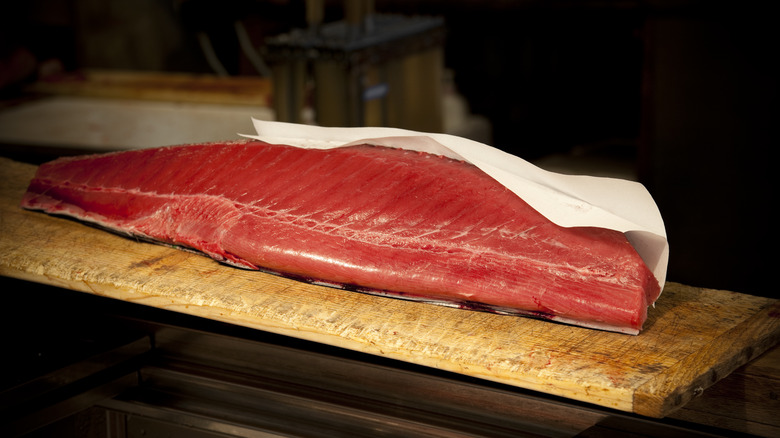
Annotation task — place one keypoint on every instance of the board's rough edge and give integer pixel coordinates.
(655, 399)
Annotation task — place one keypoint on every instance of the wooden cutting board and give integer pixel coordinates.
(693, 337)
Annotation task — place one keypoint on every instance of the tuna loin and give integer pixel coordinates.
(371, 218)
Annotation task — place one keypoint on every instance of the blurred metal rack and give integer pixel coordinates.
(368, 69)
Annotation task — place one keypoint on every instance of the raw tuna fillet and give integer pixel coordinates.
(368, 218)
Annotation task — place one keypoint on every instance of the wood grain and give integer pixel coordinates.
(693, 337)
(746, 401)
(167, 87)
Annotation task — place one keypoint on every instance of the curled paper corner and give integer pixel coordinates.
(567, 200)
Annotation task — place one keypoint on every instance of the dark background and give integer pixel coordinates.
(685, 92)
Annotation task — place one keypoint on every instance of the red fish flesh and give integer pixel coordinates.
(368, 218)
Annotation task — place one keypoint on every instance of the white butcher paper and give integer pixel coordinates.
(566, 200)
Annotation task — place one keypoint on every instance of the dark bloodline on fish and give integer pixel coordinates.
(370, 219)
